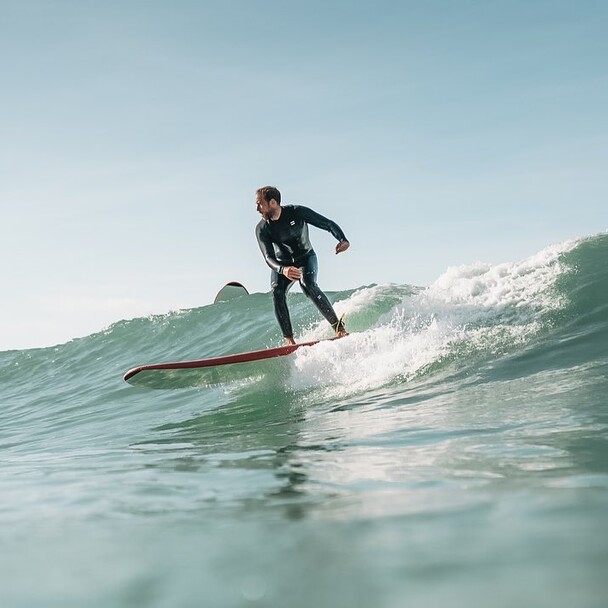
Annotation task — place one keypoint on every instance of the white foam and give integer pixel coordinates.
(359, 301)
(477, 307)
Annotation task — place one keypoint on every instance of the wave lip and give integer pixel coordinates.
(469, 315)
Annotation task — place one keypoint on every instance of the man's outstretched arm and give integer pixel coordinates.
(316, 219)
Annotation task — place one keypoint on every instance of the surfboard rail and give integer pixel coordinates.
(246, 357)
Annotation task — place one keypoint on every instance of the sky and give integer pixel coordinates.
(134, 133)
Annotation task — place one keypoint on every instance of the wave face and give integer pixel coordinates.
(452, 447)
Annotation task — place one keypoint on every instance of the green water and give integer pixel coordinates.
(451, 452)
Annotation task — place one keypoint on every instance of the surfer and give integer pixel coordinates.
(282, 235)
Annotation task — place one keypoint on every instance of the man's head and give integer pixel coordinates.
(268, 202)
(268, 193)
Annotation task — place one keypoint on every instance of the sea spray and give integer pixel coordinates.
(476, 310)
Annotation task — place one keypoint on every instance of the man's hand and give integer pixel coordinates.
(292, 273)
(342, 246)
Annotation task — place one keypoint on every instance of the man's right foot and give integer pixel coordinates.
(290, 341)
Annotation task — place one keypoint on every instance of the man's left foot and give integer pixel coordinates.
(340, 329)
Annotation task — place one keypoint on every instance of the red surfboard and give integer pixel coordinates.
(206, 372)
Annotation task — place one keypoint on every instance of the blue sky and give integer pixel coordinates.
(134, 133)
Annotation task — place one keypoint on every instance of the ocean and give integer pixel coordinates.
(451, 452)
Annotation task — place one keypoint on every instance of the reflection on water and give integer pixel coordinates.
(396, 452)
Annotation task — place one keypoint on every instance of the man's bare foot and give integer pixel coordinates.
(339, 328)
(290, 341)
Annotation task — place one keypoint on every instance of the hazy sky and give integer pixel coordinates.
(133, 134)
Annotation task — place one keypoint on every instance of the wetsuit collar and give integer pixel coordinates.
(278, 216)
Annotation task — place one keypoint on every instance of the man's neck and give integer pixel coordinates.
(276, 214)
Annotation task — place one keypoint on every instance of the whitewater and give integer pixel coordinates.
(451, 451)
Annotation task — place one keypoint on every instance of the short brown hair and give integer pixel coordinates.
(268, 193)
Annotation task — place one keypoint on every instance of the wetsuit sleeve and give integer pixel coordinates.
(267, 249)
(315, 219)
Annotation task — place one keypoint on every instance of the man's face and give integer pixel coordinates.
(264, 208)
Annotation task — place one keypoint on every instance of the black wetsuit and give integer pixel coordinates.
(285, 242)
